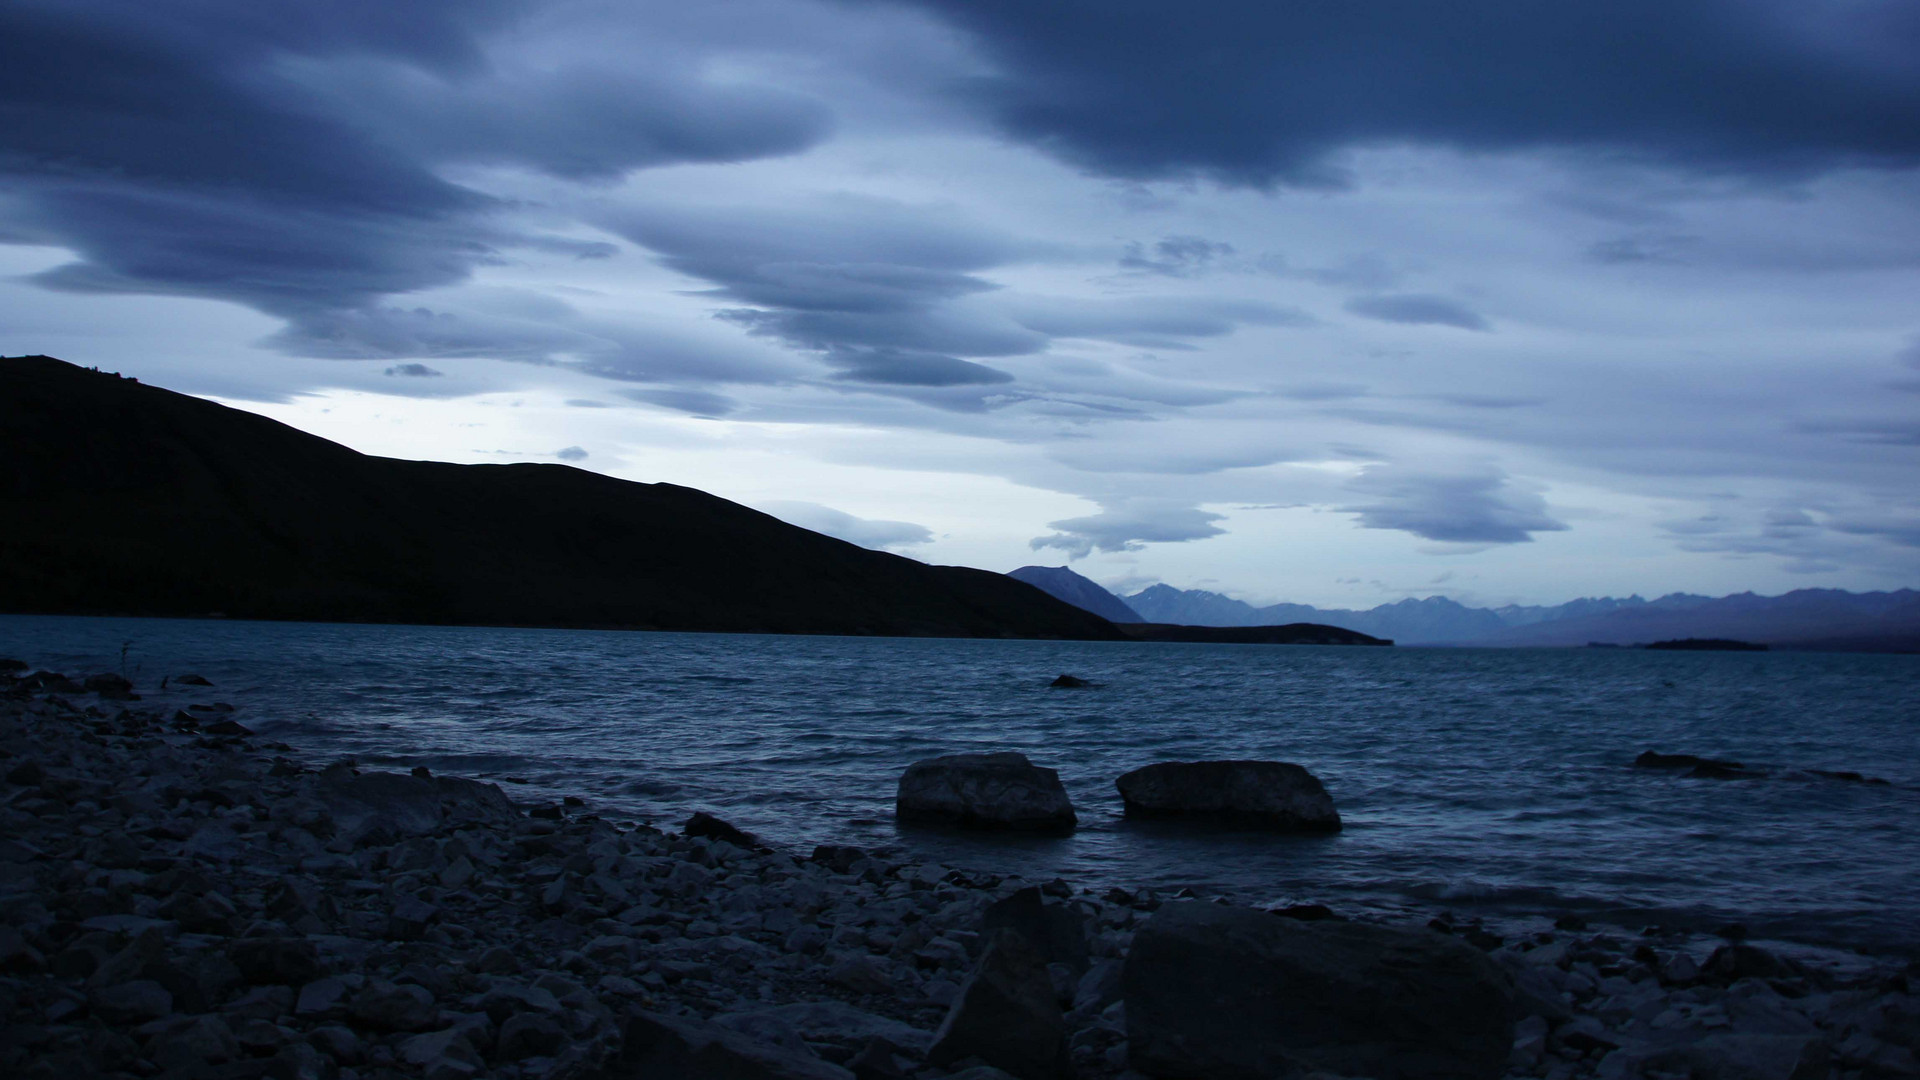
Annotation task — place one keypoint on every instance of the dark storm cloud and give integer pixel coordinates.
(1129, 525)
(1367, 271)
(865, 284)
(440, 34)
(1418, 309)
(416, 370)
(172, 148)
(1148, 321)
(577, 124)
(867, 532)
(1489, 401)
(1904, 431)
(1174, 256)
(1474, 507)
(700, 403)
(890, 294)
(1904, 531)
(900, 367)
(1652, 248)
(1256, 93)
(1805, 544)
(1324, 392)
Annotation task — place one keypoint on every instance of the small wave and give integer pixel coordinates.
(651, 787)
(1485, 892)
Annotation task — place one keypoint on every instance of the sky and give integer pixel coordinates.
(1330, 303)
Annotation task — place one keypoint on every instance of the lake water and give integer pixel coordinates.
(1491, 782)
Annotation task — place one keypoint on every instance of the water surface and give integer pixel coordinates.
(1485, 780)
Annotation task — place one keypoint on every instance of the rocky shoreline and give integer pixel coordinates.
(179, 898)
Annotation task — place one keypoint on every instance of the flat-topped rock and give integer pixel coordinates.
(390, 806)
(1274, 795)
(1001, 791)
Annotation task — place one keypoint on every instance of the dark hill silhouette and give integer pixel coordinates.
(1288, 634)
(120, 498)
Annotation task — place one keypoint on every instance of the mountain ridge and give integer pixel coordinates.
(1810, 618)
(1063, 584)
(122, 498)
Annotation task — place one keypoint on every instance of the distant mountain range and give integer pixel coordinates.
(119, 498)
(1804, 618)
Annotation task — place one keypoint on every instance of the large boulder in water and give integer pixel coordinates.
(1231, 993)
(1268, 794)
(985, 791)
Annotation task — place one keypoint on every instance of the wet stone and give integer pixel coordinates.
(131, 1002)
(281, 961)
(385, 1006)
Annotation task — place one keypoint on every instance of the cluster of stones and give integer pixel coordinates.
(1007, 792)
(180, 901)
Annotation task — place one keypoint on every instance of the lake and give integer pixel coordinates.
(1492, 782)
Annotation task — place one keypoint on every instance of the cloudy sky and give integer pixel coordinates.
(1335, 303)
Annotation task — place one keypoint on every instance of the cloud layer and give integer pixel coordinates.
(1260, 94)
(1377, 282)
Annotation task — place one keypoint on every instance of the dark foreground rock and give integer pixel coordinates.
(1272, 795)
(985, 791)
(1008, 1015)
(1056, 931)
(662, 1047)
(1233, 994)
(387, 807)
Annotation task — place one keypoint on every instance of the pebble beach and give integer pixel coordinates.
(183, 898)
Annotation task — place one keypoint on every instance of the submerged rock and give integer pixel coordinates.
(1235, 994)
(1653, 759)
(1711, 771)
(1274, 795)
(109, 685)
(1001, 791)
(713, 828)
(1848, 776)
